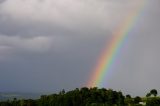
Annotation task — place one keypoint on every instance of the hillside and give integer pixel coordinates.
(84, 97)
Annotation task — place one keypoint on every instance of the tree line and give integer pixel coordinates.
(88, 97)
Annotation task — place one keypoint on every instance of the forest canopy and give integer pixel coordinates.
(88, 97)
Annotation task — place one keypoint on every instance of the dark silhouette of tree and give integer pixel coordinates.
(154, 92)
(148, 95)
(128, 96)
(128, 100)
(153, 102)
(137, 99)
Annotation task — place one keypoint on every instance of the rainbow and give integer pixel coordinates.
(114, 47)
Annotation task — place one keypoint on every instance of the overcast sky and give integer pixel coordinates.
(49, 45)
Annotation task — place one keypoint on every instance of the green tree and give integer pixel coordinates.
(148, 95)
(128, 100)
(154, 92)
(137, 99)
(153, 102)
(128, 96)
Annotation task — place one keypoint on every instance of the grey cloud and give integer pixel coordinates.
(48, 45)
(56, 16)
(53, 70)
(1, 1)
(33, 44)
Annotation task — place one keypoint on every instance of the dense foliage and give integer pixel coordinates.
(85, 97)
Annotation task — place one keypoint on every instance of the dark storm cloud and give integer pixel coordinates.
(51, 70)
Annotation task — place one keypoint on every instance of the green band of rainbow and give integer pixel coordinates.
(109, 54)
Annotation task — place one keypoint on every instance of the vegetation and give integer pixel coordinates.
(154, 92)
(88, 97)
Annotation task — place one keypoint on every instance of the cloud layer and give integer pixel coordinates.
(48, 45)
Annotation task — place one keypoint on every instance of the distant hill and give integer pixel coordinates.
(11, 96)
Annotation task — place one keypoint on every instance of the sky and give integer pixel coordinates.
(50, 45)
